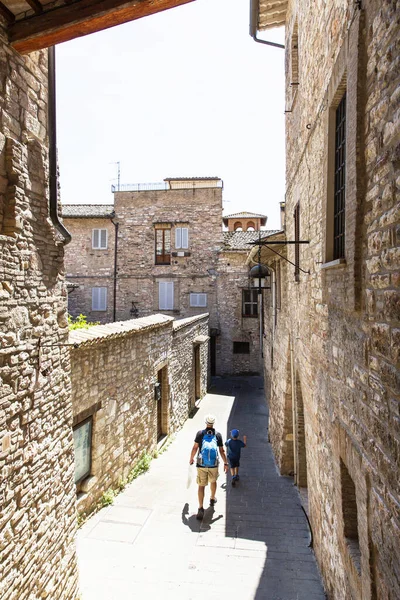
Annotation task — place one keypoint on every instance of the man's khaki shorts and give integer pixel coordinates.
(206, 475)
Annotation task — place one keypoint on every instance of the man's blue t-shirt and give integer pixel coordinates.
(234, 447)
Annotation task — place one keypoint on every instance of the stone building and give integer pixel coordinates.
(332, 322)
(37, 495)
(37, 491)
(133, 384)
(161, 248)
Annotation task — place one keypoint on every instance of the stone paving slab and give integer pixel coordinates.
(253, 543)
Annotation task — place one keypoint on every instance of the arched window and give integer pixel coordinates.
(238, 226)
(250, 226)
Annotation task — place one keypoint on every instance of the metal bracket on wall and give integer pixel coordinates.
(284, 243)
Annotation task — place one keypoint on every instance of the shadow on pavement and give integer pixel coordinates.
(264, 518)
(199, 526)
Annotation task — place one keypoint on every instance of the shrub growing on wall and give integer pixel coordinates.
(80, 322)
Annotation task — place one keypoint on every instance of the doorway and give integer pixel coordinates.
(213, 355)
(161, 397)
(197, 373)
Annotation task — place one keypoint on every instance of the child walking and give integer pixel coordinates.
(234, 447)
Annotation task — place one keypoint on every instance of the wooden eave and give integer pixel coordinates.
(45, 24)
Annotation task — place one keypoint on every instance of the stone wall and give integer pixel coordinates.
(138, 277)
(189, 337)
(342, 319)
(89, 268)
(212, 265)
(233, 278)
(115, 369)
(37, 495)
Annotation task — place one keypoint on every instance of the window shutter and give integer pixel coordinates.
(202, 299)
(162, 297)
(95, 238)
(170, 295)
(178, 237)
(95, 301)
(103, 238)
(166, 295)
(103, 298)
(99, 298)
(185, 237)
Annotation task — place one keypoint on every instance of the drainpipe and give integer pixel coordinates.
(116, 225)
(254, 4)
(53, 183)
(294, 414)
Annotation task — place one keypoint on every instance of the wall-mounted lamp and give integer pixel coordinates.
(258, 277)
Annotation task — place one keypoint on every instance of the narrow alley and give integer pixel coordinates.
(254, 544)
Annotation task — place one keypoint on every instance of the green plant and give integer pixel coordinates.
(80, 322)
(108, 497)
(141, 466)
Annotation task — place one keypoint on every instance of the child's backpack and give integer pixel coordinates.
(208, 455)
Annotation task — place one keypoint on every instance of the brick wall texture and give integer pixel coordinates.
(332, 347)
(37, 494)
(113, 376)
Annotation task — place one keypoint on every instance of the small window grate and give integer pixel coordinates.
(340, 181)
(241, 347)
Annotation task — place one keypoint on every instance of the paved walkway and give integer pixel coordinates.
(252, 545)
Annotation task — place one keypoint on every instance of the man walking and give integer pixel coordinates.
(207, 444)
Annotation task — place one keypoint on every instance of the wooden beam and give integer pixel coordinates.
(37, 7)
(6, 13)
(80, 18)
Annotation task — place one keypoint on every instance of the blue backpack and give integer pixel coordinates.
(208, 455)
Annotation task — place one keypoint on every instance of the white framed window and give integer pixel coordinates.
(99, 239)
(181, 237)
(83, 449)
(166, 295)
(99, 298)
(198, 300)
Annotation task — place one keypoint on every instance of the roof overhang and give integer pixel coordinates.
(267, 14)
(44, 24)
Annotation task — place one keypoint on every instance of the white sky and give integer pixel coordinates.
(184, 93)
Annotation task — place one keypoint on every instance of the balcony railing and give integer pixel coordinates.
(166, 185)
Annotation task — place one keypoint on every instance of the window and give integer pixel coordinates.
(99, 298)
(163, 246)
(296, 216)
(99, 239)
(83, 449)
(339, 181)
(166, 295)
(198, 300)
(181, 237)
(249, 303)
(241, 347)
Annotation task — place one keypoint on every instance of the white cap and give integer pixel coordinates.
(210, 419)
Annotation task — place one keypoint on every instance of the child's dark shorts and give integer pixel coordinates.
(234, 462)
